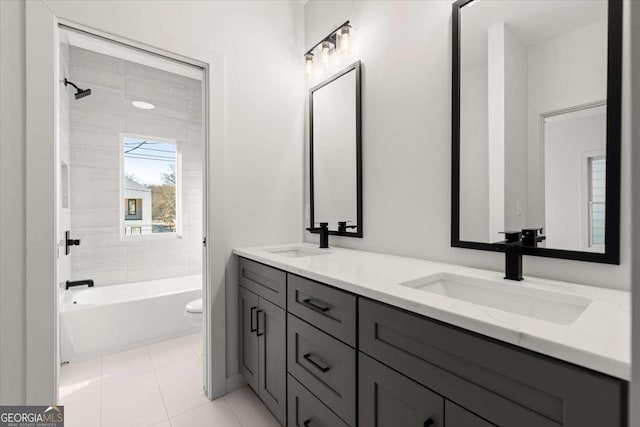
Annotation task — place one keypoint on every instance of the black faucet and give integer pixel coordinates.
(342, 226)
(512, 247)
(324, 234)
(532, 236)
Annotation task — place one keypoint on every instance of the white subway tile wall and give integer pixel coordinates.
(96, 123)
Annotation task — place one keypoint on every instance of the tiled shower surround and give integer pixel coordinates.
(97, 123)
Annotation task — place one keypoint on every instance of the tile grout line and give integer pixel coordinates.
(189, 410)
(155, 375)
(191, 345)
(232, 411)
(101, 379)
(100, 394)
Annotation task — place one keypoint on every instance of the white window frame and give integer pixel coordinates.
(585, 179)
(590, 199)
(151, 236)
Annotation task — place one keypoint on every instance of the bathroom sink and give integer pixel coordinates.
(554, 307)
(296, 252)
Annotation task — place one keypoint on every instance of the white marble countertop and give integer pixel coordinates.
(600, 339)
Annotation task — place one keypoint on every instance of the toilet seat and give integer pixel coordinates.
(194, 306)
(193, 310)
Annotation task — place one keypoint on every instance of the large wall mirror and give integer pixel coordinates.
(335, 143)
(536, 125)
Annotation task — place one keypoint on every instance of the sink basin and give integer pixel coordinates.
(555, 307)
(296, 252)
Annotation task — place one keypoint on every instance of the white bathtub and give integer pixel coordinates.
(108, 319)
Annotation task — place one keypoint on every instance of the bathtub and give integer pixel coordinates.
(108, 319)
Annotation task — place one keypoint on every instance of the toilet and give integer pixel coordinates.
(193, 311)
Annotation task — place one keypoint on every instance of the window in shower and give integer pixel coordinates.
(150, 187)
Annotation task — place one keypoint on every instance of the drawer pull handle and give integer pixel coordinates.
(258, 332)
(314, 306)
(253, 309)
(315, 364)
(307, 422)
(429, 422)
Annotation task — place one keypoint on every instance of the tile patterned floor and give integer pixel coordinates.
(159, 385)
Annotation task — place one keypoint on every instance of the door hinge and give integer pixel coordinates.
(204, 242)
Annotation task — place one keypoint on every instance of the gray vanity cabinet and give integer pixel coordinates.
(389, 399)
(460, 417)
(272, 372)
(318, 356)
(505, 385)
(328, 309)
(262, 327)
(247, 309)
(321, 354)
(263, 350)
(323, 365)
(264, 281)
(306, 410)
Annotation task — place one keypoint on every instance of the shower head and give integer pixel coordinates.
(80, 93)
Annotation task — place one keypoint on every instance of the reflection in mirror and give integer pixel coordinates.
(335, 153)
(533, 120)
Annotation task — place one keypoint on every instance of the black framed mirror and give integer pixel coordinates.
(536, 125)
(335, 149)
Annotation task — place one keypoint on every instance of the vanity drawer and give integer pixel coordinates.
(267, 282)
(324, 365)
(327, 308)
(460, 417)
(506, 385)
(305, 410)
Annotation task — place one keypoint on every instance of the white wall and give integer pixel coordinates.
(261, 45)
(564, 72)
(516, 77)
(405, 47)
(497, 116)
(507, 141)
(97, 122)
(474, 159)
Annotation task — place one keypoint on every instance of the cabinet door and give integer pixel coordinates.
(248, 312)
(389, 399)
(271, 325)
(460, 417)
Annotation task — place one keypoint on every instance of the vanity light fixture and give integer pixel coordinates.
(308, 63)
(327, 48)
(143, 105)
(344, 38)
(337, 40)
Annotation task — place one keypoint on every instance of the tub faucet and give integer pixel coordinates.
(512, 247)
(85, 282)
(324, 234)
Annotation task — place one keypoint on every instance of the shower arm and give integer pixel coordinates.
(67, 82)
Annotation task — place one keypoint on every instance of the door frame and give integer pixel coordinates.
(541, 150)
(42, 98)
